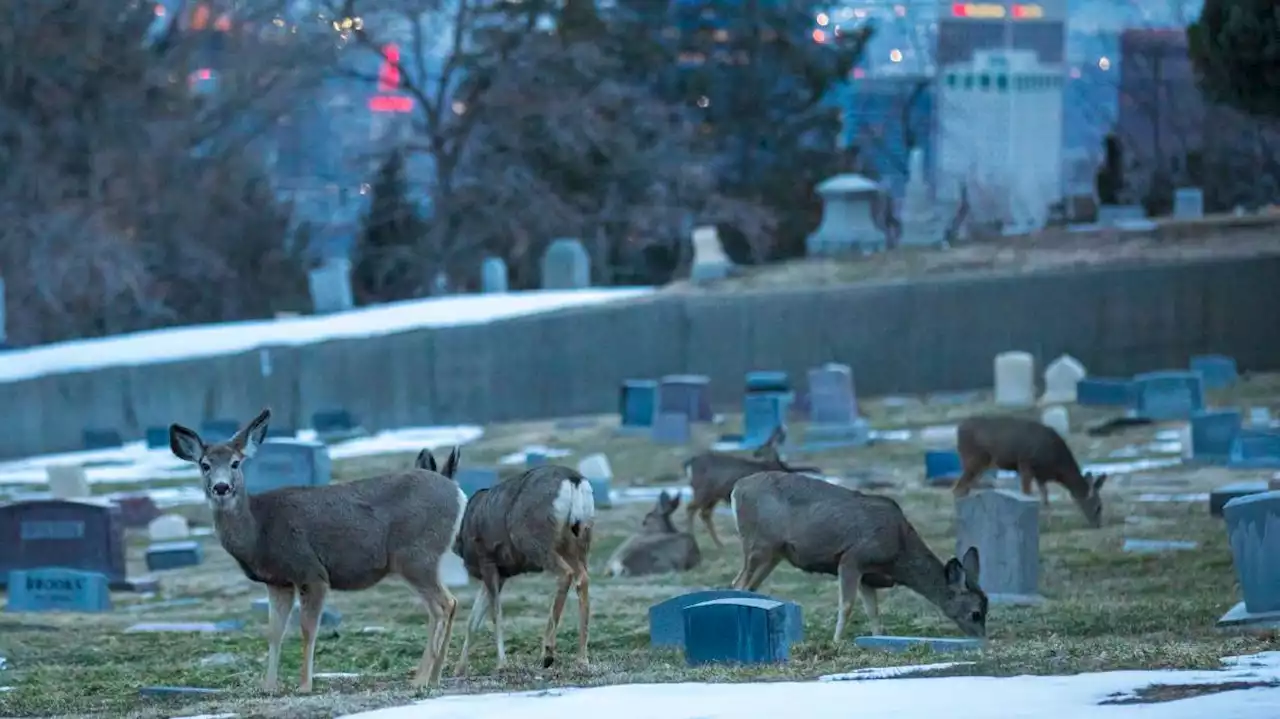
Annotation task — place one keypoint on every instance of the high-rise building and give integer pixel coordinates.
(885, 116)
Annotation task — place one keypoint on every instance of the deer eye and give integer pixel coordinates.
(235, 464)
(205, 467)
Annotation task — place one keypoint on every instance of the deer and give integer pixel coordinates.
(658, 547)
(540, 521)
(712, 476)
(1036, 452)
(342, 537)
(864, 540)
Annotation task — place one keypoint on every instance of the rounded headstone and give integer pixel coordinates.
(1057, 418)
(1015, 379)
(1060, 380)
(168, 528)
(566, 265)
(493, 275)
(1253, 529)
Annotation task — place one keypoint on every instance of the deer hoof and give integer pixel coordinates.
(548, 660)
(270, 687)
(304, 688)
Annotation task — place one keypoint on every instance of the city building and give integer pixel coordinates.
(885, 116)
(1001, 122)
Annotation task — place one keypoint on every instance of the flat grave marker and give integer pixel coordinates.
(174, 555)
(168, 528)
(86, 535)
(1005, 527)
(54, 589)
(1153, 546)
(902, 644)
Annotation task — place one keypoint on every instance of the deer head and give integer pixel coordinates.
(427, 461)
(965, 602)
(220, 462)
(1090, 503)
(769, 450)
(658, 520)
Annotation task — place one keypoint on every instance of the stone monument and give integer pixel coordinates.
(921, 226)
(848, 219)
(709, 259)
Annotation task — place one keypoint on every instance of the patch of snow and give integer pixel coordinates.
(889, 672)
(521, 456)
(182, 343)
(1023, 697)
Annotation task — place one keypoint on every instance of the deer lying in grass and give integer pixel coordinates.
(658, 547)
(344, 537)
(862, 539)
(539, 521)
(712, 476)
(1036, 452)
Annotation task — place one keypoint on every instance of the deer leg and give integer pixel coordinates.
(441, 607)
(557, 609)
(279, 606)
(1027, 477)
(965, 483)
(479, 606)
(1044, 494)
(495, 613)
(760, 572)
(706, 513)
(311, 597)
(871, 603)
(691, 510)
(584, 612)
(849, 580)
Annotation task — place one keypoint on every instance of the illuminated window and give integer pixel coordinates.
(1002, 83)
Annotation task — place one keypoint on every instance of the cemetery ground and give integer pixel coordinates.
(1105, 609)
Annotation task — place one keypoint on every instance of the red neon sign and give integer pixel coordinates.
(389, 82)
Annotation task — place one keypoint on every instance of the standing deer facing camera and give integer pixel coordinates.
(712, 476)
(540, 521)
(658, 547)
(862, 539)
(344, 537)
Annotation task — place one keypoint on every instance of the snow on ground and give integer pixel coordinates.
(872, 696)
(135, 463)
(180, 343)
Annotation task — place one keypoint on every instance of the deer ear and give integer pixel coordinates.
(954, 573)
(425, 461)
(673, 503)
(247, 440)
(451, 464)
(1100, 480)
(185, 444)
(972, 565)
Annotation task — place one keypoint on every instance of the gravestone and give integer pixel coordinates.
(1015, 379)
(1213, 432)
(902, 644)
(921, 226)
(174, 555)
(832, 400)
(330, 286)
(709, 260)
(168, 528)
(1154, 546)
(1061, 378)
(474, 479)
(739, 630)
(453, 571)
(1188, 203)
(330, 619)
(1260, 417)
(687, 393)
(566, 265)
(335, 424)
(1219, 497)
(666, 618)
(1216, 371)
(761, 415)
(596, 468)
(136, 510)
(671, 428)
(638, 404)
(1255, 449)
(1057, 419)
(493, 275)
(1253, 530)
(768, 381)
(1163, 396)
(157, 438)
(1105, 392)
(848, 218)
(84, 534)
(67, 481)
(54, 589)
(440, 284)
(942, 467)
(218, 430)
(101, 438)
(1005, 527)
(287, 463)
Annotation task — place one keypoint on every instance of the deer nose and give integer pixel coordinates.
(221, 489)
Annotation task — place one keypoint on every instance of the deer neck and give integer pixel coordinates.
(236, 527)
(921, 571)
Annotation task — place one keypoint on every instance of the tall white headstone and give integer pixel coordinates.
(709, 260)
(1057, 418)
(330, 286)
(168, 528)
(1015, 379)
(920, 223)
(1060, 380)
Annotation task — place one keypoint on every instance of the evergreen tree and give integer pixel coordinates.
(392, 233)
(1235, 47)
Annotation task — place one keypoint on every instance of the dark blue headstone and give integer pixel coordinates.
(218, 430)
(85, 534)
(942, 466)
(103, 439)
(1104, 392)
(1256, 449)
(1213, 433)
(1219, 497)
(534, 459)
(901, 644)
(739, 630)
(638, 403)
(174, 555)
(687, 393)
(1253, 528)
(474, 479)
(666, 618)
(287, 463)
(671, 428)
(768, 381)
(1217, 371)
(1168, 395)
(329, 618)
(54, 589)
(336, 421)
(157, 437)
(762, 413)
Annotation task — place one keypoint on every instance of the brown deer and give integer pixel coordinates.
(540, 521)
(1036, 452)
(712, 475)
(862, 539)
(343, 537)
(658, 547)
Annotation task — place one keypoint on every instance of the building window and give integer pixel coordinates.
(1002, 82)
(985, 81)
(968, 81)
(951, 80)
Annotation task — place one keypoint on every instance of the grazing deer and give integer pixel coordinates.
(658, 547)
(862, 539)
(712, 476)
(1036, 452)
(344, 537)
(539, 521)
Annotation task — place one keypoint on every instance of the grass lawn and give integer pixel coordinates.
(1106, 609)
